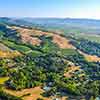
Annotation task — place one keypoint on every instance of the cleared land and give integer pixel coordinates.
(27, 35)
(34, 93)
(62, 42)
(90, 58)
(7, 54)
(71, 70)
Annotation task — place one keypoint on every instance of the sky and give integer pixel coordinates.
(50, 8)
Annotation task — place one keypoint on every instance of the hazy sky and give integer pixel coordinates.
(50, 8)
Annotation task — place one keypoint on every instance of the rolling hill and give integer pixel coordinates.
(40, 59)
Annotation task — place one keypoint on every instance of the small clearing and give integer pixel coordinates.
(70, 71)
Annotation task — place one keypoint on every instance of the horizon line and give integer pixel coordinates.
(49, 17)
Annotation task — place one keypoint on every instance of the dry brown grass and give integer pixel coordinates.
(71, 70)
(62, 42)
(8, 54)
(90, 58)
(26, 35)
(33, 32)
(28, 39)
(34, 93)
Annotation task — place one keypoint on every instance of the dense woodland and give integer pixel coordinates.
(87, 46)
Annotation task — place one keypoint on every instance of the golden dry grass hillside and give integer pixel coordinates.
(8, 54)
(27, 35)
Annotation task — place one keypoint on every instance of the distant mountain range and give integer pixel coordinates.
(66, 25)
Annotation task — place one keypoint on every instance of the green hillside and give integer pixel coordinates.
(58, 71)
